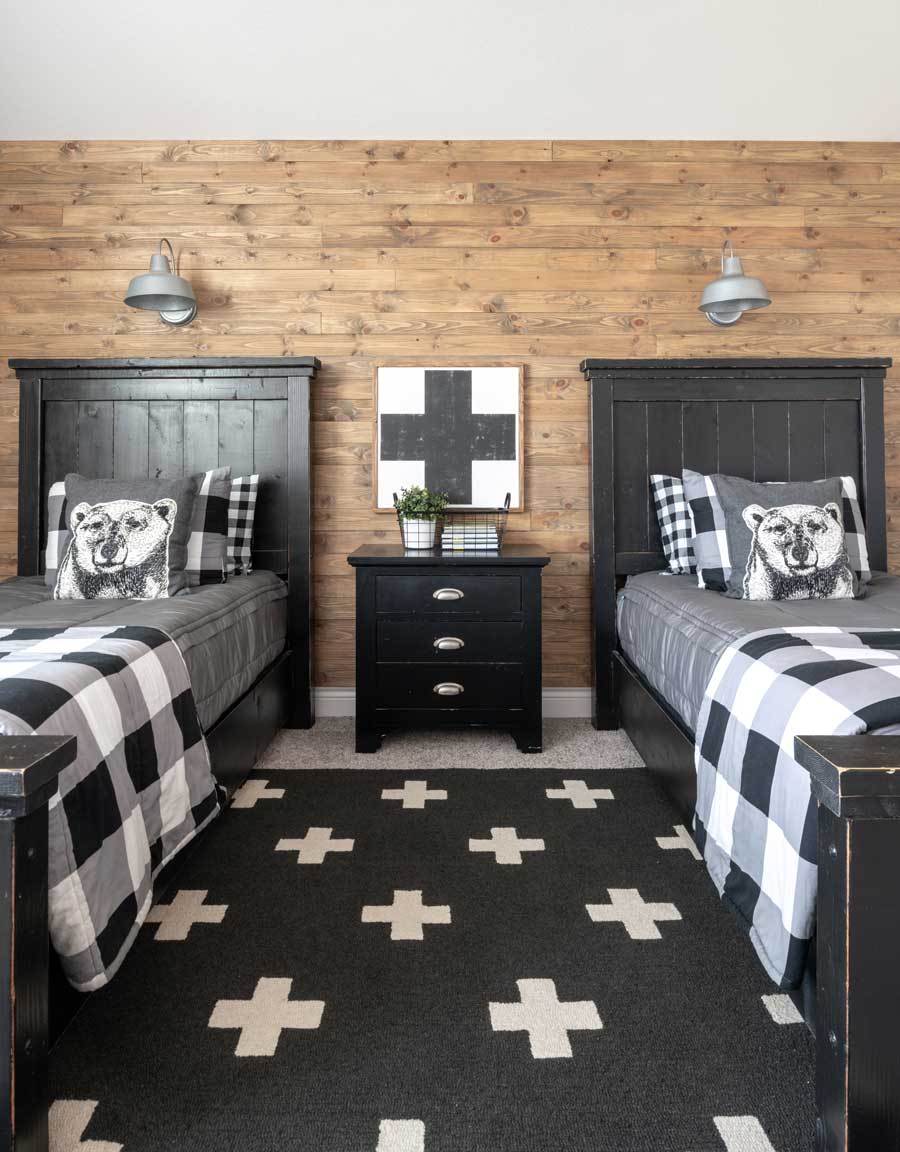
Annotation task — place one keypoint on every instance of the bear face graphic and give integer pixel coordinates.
(797, 552)
(119, 550)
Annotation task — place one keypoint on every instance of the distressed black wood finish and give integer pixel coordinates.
(496, 618)
(855, 779)
(29, 767)
(659, 736)
(238, 739)
(763, 419)
(136, 418)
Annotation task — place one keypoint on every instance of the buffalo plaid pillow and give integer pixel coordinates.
(855, 531)
(241, 510)
(674, 518)
(709, 537)
(710, 542)
(57, 532)
(208, 541)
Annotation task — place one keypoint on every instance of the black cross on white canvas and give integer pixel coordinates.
(445, 441)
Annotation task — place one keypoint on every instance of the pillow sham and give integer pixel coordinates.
(241, 513)
(854, 530)
(57, 531)
(709, 540)
(127, 538)
(674, 518)
(207, 545)
(785, 541)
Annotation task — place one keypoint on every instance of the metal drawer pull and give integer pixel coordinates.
(447, 594)
(449, 644)
(448, 688)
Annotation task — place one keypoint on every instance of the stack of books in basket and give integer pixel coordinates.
(472, 537)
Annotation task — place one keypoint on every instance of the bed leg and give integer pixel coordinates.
(29, 766)
(857, 784)
(300, 713)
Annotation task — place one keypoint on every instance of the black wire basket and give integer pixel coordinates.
(474, 529)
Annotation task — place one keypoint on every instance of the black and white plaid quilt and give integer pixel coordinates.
(139, 789)
(756, 820)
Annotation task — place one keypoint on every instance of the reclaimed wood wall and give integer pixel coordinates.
(530, 251)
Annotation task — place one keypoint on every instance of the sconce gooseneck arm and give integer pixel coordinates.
(171, 251)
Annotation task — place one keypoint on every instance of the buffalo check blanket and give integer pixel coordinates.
(139, 789)
(756, 820)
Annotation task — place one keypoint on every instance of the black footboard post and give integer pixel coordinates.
(29, 766)
(856, 780)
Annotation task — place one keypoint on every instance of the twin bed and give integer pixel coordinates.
(658, 639)
(245, 645)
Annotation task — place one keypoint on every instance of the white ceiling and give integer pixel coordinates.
(458, 69)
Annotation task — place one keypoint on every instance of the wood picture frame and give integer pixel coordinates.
(384, 504)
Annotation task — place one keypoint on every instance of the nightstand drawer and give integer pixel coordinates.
(451, 640)
(448, 593)
(449, 685)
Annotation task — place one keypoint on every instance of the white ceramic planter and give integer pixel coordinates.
(418, 535)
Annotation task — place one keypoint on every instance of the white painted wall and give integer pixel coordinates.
(332, 69)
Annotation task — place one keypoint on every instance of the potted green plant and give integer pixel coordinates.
(419, 511)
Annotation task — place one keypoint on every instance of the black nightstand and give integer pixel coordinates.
(448, 641)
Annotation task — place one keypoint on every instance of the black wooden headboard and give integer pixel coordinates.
(137, 418)
(763, 419)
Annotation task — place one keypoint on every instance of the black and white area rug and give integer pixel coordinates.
(456, 961)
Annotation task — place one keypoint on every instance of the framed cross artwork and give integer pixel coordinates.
(448, 429)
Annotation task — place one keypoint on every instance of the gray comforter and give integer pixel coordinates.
(674, 632)
(227, 633)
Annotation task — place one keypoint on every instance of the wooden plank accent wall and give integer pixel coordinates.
(533, 251)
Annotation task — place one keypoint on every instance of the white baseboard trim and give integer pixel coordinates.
(559, 703)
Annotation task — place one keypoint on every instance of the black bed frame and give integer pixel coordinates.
(768, 420)
(136, 418)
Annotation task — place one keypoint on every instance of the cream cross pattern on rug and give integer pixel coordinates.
(252, 790)
(681, 839)
(67, 1122)
(743, 1134)
(546, 1019)
(175, 920)
(782, 1008)
(401, 1136)
(263, 1018)
(314, 846)
(414, 794)
(407, 915)
(506, 846)
(627, 906)
(580, 795)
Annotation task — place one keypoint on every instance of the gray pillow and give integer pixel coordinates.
(785, 542)
(127, 538)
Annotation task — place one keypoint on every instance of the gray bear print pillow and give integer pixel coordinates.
(797, 553)
(128, 539)
(785, 546)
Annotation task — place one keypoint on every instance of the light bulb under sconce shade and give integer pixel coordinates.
(164, 291)
(725, 300)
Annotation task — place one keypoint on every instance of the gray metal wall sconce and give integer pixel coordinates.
(164, 291)
(725, 300)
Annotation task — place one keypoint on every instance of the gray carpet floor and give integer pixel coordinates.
(571, 745)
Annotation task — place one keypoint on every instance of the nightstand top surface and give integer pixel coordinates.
(514, 555)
